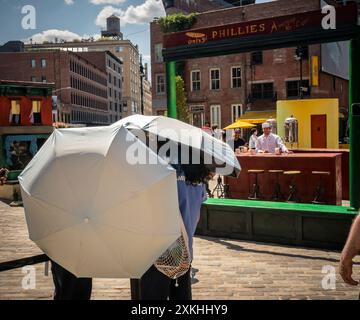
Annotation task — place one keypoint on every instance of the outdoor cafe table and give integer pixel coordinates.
(306, 182)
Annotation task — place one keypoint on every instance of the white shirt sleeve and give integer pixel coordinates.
(281, 145)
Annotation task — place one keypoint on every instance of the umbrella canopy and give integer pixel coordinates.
(95, 211)
(240, 125)
(215, 151)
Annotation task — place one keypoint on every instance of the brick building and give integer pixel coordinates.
(220, 89)
(124, 50)
(112, 65)
(80, 86)
(25, 121)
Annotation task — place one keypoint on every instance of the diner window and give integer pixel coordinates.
(195, 80)
(214, 79)
(262, 91)
(235, 77)
(15, 109)
(256, 57)
(36, 112)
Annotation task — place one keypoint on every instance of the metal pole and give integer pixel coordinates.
(354, 123)
(171, 88)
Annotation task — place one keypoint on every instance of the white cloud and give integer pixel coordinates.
(51, 34)
(143, 13)
(115, 2)
(69, 2)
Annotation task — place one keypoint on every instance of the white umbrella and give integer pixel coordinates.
(215, 151)
(93, 212)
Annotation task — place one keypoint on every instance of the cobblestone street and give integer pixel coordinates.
(224, 269)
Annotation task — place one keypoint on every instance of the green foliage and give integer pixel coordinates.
(182, 109)
(177, 22)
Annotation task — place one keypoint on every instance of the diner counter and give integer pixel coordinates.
(306, 182)
(344, 166)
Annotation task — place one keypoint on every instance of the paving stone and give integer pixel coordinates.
(255, 271)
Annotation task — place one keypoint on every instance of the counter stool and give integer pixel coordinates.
(293, 196)
(277, 196)
(320, 189)
(256, 195)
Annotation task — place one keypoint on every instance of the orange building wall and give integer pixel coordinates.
(25, 110)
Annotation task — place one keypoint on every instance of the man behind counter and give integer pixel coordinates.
(268, 142)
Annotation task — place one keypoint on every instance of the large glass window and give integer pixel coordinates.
(195, 80)
(215, 114)
(257, 57)
(36, 111)
(15, 112)
(262, 90)
(158, 53)
(160, 84)
(235, 77)
(214, 79)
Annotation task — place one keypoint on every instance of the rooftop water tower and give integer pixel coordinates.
(112, 28)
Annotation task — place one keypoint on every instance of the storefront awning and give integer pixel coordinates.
(257, 117)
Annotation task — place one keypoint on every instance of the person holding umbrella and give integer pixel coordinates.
(191, 183)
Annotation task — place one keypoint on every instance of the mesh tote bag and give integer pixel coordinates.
(176, 260)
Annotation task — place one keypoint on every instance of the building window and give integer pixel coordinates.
(257, 57)
(236, 112)
(262, 90)
(110, 92)
(236, 77)
(158, 53)
(33, 78)
(215, 115)
(14, 117)
(43, 79)
(195, 80)
(43, 63)
(109, 78)
(214, 79)
(160, 84)
(293, 88)
(302, 51)
(119, 49)
(33, 63)
(36, 112)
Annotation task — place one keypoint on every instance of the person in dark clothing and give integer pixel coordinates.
(68, 286)
(237, 141)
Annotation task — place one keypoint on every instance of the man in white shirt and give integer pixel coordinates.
(269, 141)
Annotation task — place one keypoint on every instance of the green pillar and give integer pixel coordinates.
(354, 123)
(171, 88)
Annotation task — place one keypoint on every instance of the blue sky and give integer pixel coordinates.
(69, 19)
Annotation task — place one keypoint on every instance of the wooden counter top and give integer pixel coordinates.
(306, 182)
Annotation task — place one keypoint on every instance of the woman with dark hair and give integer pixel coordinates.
(191, 179)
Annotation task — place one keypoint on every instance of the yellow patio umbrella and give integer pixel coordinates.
(254, 121)
(240, 125)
